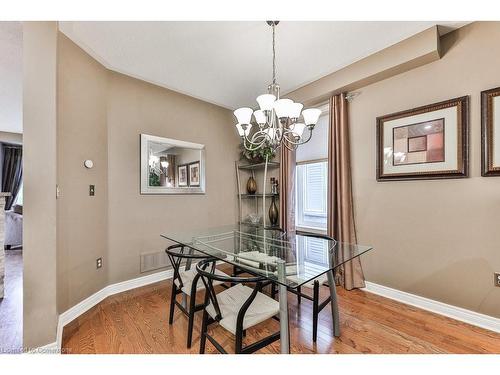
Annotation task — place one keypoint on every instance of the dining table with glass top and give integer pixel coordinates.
(289, 260)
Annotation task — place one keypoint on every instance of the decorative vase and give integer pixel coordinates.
(251, 185)
(273, 212)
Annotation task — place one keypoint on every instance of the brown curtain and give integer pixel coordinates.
(287, 190)
(340, 202)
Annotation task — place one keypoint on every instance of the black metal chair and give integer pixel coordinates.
(317, 305)
(314, 286)
(185, 282)
(235, 309)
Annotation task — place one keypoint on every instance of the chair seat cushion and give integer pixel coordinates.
(309, 284)
(255, 258)
(188, 276)
(230, 302)
(291, 272)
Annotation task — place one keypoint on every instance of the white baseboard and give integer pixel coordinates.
(458, 313)
(77, 310)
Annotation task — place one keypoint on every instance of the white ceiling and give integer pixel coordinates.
(11, 77)
(229, 63)
(225, 63)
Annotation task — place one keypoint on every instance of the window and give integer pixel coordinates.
(311, 196)
(19, 197)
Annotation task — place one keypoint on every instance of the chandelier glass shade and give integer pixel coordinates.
(277, 121)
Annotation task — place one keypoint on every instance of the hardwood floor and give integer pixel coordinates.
(11, 306)
(136, 321)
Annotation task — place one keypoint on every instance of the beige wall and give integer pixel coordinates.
(136, 221)
(39, 241)
(438, 239)
(100, 117)
(82, 220)
(415, 51)
(9, 137)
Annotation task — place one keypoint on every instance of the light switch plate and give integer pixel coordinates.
(98, 263)
(497, 278)
(91, 190)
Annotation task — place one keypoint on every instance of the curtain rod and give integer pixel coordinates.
(349, 96)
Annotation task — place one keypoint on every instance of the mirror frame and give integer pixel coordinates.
(144, 162)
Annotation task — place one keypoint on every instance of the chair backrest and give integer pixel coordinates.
(176, 254)
(316, 235)
(206, 269)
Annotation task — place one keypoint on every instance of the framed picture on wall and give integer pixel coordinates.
(429, 142)
(490, 132)
(182, 173)
(194, 173)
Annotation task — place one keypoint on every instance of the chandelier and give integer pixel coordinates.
(278, 121)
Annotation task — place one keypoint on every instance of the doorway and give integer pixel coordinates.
(11, 192)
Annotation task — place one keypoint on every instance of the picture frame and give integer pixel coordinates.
(194, 173)
(424, 143)
(490, 132)
(182, 175)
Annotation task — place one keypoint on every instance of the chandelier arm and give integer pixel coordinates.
(309, 138)
(257, 134)
(287, 144)
(251, 147)
(297, 143)
(290, 138)
(256, 145)
(286, 126)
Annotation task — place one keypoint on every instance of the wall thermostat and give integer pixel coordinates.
(88, 164)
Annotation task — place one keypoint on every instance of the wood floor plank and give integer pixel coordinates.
(11, 306)
(136, 321)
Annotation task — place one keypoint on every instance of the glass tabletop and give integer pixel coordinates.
(290, 259)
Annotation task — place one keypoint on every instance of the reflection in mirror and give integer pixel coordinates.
(171, 166)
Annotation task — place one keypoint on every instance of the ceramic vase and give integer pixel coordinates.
(273, 212)
(251, 185)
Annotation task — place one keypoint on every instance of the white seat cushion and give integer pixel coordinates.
(187, 280)
(255, 258)
(291, 272)
(230, 302)
(309, 284)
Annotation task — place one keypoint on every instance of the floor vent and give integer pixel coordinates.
(154, 261)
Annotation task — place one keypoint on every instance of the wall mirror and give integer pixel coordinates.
(170, 166)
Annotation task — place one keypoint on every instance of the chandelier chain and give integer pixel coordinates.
(274, 56)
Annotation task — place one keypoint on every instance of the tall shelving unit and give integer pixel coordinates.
(257, 203)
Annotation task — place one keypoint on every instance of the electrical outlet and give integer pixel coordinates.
(497, 278)
(91, 190)
(98, 263)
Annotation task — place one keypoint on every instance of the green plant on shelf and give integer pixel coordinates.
(259, 155)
